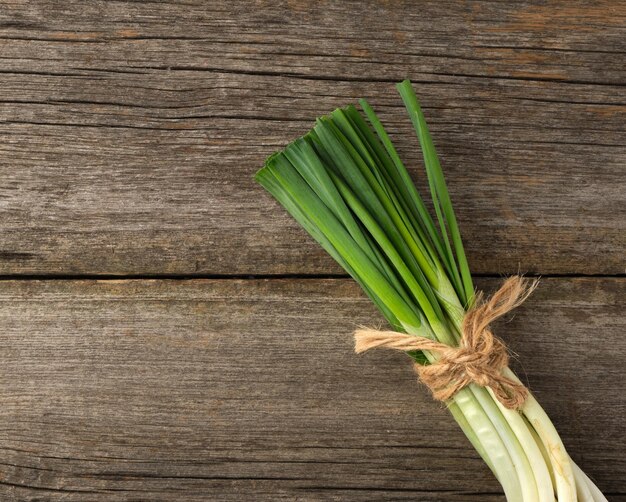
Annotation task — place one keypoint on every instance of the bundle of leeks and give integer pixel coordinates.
(345, 184)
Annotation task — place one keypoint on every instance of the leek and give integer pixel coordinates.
(346, 185)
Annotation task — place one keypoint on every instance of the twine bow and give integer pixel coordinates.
(480, 356)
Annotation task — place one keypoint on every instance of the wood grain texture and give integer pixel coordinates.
(249, 390)
(129, 134)
(129, 131)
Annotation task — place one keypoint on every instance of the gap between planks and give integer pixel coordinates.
(256, 277)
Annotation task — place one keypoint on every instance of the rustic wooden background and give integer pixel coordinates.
(168, 332)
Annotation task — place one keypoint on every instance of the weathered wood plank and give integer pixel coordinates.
(249, 390)
(129, 131)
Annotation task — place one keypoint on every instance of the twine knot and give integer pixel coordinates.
(480, 356)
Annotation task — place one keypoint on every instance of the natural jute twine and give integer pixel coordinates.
(480, 356)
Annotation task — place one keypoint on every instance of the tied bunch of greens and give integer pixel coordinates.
(345, 184)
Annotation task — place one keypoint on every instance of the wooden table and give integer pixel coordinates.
(169, 333)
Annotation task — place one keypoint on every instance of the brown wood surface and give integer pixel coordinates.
(129, 134)
(130, 131)
(250, 390)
